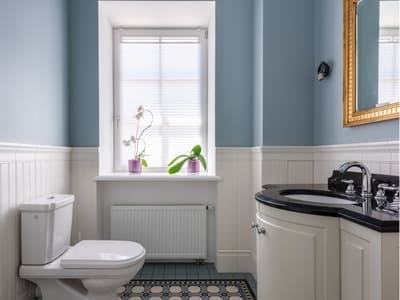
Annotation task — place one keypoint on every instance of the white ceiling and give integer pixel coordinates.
(157, 14)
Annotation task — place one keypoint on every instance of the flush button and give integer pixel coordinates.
(50, 198)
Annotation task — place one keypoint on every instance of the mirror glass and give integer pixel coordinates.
(377, 53)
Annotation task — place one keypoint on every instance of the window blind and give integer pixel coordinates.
(164, 74)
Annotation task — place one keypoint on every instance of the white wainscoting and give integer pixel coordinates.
(382, 158)
(239, 170)
(287, 165)
(26, 172)
(244, 170)
(84, 168)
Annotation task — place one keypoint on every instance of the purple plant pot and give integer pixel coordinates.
(135, 166)
(193, 166)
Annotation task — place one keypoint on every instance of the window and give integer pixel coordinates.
(166, 72)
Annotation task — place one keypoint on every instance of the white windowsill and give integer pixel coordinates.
(157, 177)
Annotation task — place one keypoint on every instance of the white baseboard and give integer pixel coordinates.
(235, 261)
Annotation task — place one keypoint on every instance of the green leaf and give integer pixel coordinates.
(176, 158)
(196, 150)
(177, 167)
(144, 163)
(203, 161)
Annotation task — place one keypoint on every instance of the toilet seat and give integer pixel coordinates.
(91, 259)
(101, 254)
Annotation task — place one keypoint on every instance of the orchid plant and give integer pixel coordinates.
(195, 154)
(137, 140)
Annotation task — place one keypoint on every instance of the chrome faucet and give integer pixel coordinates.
(366, 192)
(366, 184)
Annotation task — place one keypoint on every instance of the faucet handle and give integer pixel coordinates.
(380, 197)
(394, 205)
(386, 187)
(396, 196)
(349, 181)
(350, 190)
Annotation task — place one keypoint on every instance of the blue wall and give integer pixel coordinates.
(258, 71)
(33, 72)
(328, 18)
(83, 73)
(288, 72)
(266, 93)
(234, 73)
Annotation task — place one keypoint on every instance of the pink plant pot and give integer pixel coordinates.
(135, 166)
(193, 166)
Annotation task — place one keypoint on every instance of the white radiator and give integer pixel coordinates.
(166, 232)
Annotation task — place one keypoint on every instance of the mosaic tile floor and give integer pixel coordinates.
(188, 271)
(219, 289)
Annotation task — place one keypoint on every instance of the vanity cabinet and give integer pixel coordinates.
(369, 263)
(297, 255)
(310, 257)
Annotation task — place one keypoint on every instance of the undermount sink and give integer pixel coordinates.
(315, 197)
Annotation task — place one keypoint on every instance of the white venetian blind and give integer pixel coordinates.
(164, 74)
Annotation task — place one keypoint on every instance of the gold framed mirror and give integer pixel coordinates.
(371, 62)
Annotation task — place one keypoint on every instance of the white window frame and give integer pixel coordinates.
(202, 33)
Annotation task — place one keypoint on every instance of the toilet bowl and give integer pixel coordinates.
(89, 270)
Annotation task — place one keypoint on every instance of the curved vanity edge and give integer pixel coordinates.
(306, 209)
(372, 223)
(376, 220)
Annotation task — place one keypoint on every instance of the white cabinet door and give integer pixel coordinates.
(298, 256)
(369, 263)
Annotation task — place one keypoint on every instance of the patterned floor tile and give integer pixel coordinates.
(190, 271)
(186, 289)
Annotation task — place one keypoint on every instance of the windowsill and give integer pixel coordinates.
(201, 177)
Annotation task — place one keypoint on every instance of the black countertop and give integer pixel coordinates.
(376, 220)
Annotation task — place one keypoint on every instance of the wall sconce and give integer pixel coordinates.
(323, 71)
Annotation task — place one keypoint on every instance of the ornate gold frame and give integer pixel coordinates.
(351, 117)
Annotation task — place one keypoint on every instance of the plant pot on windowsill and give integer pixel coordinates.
(135, 166)
(193, 166)
(193, 160)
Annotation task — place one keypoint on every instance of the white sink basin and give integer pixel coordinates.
(320, 199)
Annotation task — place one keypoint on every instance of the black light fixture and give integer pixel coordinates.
(323, 71)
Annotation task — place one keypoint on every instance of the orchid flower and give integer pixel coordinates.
(137, 140)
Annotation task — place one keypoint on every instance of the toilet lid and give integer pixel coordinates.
(102, 255)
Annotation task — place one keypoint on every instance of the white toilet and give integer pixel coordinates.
(89, 270)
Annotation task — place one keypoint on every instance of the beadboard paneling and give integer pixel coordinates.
(26, 172)
(236, 208)
(287, 165)
(32, 171)
(382, 158)
(84, 167)
(243, 171)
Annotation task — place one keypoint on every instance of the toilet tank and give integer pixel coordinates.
(45, 228)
